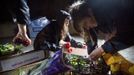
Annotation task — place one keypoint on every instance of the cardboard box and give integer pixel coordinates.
(18, 60)
(78, 51)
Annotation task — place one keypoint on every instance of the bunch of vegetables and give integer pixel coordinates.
(78, 63)
(9, 48)
(20, 41)
(84, 66)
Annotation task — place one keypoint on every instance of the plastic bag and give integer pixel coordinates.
(37, 25)
(52, 66)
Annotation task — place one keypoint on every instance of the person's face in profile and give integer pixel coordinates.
(87, 23)
(65, 29)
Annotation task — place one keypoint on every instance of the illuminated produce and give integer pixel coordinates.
(9, 49)
(84, 66)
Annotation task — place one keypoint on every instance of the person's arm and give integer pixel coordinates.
(119, 42)
(22, 19)
(22, 34)
(73, 42)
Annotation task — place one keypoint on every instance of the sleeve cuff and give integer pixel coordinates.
(113, 46)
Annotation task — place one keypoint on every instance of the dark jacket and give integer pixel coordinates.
(48, 38)
(18, 9)
(115, 15)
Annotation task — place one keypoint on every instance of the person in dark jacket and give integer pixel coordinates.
(19, 11)
(55, 34)
(114, 18)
